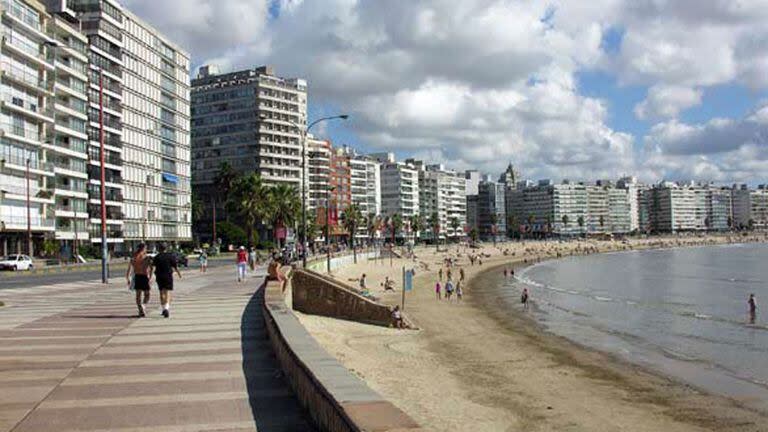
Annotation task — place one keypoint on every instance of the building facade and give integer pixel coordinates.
(399, 187)
(250, 119)
(366, 184)
(491, 211)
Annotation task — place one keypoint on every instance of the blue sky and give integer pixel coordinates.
(663, 90)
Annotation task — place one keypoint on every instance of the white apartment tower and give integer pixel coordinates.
(399, 187)
(318, 172)
(366, 184)
(156, 136)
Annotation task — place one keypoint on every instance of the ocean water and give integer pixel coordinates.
(682, 312)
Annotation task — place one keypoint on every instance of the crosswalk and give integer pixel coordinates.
(73, 357)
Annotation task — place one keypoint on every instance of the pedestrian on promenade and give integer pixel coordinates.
(274, 273)
(165, 264)
(438, 288)
(203, 259)
(252, 258)
(752, 304)
(138, 275)
(524, 299)
(242, 264)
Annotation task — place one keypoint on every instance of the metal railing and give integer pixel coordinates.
(21, 74)
(35, 222)
(24, 131)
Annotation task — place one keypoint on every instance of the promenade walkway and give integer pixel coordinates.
(73, 357)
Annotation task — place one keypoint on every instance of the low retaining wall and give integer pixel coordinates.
(336, 400)
(318, 294)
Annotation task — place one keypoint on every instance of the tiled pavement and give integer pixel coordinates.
(73, 357)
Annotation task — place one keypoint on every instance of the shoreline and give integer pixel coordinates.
(481, 365)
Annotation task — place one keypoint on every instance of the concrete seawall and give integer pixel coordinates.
(317, 294)
(335, 399)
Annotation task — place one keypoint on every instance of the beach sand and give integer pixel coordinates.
(477, 367)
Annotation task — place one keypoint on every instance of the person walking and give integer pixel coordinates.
(448, 290)
(524, 298)
(440, 274)
(138, 276)
(203, 259)
(752, 304)
(165, 264)
(459, 292)
(438, 289)
(242, 264)
(461, 274)
(252, 258)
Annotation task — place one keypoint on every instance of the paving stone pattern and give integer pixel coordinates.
(73, 357)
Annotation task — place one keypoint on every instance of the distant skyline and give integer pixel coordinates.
(660, 89)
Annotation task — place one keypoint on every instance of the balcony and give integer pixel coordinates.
(34, 164)
(22, 76)
(36, 222)
(79, 187)
(110, 158)
(112, 213)
(74, 145)
(15, 10)
(110, 195)
(23, 131)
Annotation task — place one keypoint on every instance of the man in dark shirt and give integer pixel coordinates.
(165, 264)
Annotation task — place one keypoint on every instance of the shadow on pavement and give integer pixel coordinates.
(273, 404)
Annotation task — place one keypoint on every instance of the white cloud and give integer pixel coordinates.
(482, 82)
(667, 101)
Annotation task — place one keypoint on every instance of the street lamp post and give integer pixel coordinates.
(29, 215)
(304, 133)
(327, 226)
(104, 248)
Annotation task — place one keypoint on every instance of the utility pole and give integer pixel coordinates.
(104, 250)
(214, 241)
(328, 226)
(29, 215)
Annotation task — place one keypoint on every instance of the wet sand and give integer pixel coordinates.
(480, 366)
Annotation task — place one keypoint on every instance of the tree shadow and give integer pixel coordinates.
(273, 404)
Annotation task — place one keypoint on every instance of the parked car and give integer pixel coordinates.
(16, 262)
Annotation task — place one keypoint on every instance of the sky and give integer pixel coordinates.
(660, 89)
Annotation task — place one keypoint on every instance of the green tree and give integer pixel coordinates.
(395, 224)
(455, 226)
(473, 234)
(531, 220)
(494, 221)
(373, 224)
(580, 221)
(353, 218)
(602, 222)
(231, 234)
(513, 226)
(434, 224)
(283, 206)
(224, 181)
(247, 199)
(417, 224)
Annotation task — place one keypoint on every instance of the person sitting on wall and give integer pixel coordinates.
(274, 273)
(397, 318)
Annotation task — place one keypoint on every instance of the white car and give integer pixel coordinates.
(16, 262)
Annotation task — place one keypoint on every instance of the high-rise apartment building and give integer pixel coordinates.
(250, 119)
(156, 147)
(441, 193)
(399, 187)
(318, 172)
(750, 207)
(66, 67)
(491, 210)
(366, 183)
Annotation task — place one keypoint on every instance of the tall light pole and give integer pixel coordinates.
(104, 248)
(328, 226)
(304, 133)
(29, 215)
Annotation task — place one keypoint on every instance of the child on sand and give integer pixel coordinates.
(437, 290)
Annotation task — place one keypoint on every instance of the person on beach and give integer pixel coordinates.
(751, 303)
(461, 274)
(459, 292)
(397, 318)
(389, 285)
(505, 273)
(165, 264)
(449, 274)
(362, 282)
(438, 290)
(448, 290)
(524, 299)
(242, 264)
(141, 269)
(203, 260)
(440, 274)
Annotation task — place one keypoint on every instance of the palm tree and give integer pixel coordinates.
(455, 226)
(602, 222)
(353, 217)
(224, 181)
(434, 223)
(513, 227)
(580, 221)
(312, 228)
(417, 224)
(246, 199)
(396, 224)
(197, 210)
(283, 208)
(373, 225)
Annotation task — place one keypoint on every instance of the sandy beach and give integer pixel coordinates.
(476, 366)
